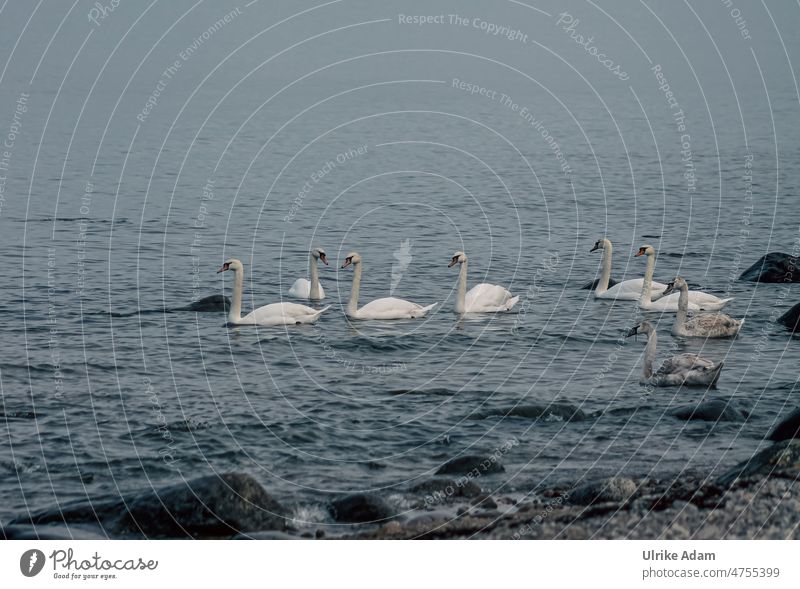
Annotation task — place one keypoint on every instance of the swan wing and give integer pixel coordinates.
(489, 297)
(668, 303)
(392, 308)
(301, 289)
(712, 325)
(631, 290)
(682, 364)
(282, 314)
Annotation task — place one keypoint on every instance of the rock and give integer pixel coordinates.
(209, 304)
(592, 284)
(791, 318)
(51, 532)
(774, 267)
(440, 490)
(484, 501)
(779, 459)
(470, 463)
(714, 410)
(360, 508)
(267, 535)
(206, 507)
(548, 412)
(788, 428)
(609, 490)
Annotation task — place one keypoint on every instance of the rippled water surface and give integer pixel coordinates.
(108, 219)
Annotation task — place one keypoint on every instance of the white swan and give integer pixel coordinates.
(706, 325)
(481, 298)
(683, 369)
(386, 308)
(310, 289)
(698, 301)
(627, 290)
(274, 314)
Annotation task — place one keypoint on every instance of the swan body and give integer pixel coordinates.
(706, 325)
(385, 308)
(698, 301)
(683, 369)
(274, 314)
(627, 290)
(310, 289)
(481, 298)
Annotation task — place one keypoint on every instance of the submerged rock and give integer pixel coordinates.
(781, 459)
(555, 411)
(470, 463)
(206, 507)
(774, 267)
(50, 532)
(360, 508)
(609, 490)
(208, 304)
(791, 318)
(714, 410)
(592, 284)
(787, 429)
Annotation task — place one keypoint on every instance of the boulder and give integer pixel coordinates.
(714, 410)
(787, 429)
(206, 507)
(209, 304)
(780, 459)
(774, 267)
(51, 532)
(791, 318)
(471, 463)
(445, 488)
(608, 490)
(359, 508)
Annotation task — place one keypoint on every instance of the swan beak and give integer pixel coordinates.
(324, 259)
(222, 269)
(453, 262)
(594, 248)
(639, 253)
(632, 331)
(669, 289)
(346, 263)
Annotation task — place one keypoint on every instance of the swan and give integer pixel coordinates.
(683, 369)
(274, 314)
(627, 290)
(706, 325)
(698, 301)
(305, 289)
(386, 308)
(481, 298)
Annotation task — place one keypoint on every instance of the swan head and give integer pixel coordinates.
(676, 284)
(319, 254)
(643, 327)
(351, 258)
(458, 258)
(600, 244)
(645, 250)
(231, 264)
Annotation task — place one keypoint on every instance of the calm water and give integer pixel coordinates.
(106, 215)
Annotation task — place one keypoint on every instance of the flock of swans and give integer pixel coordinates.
(675, 297)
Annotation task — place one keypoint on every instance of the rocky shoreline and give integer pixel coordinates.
(756, 499)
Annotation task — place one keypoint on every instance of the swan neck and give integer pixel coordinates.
(352, 305)
(650, 354)
(461, 295)
(605, 276)
(683, 305)
(647, 285)
(313, 272)
(235, 313)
